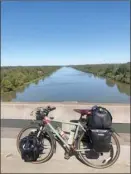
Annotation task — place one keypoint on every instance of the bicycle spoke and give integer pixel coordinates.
(98, 160)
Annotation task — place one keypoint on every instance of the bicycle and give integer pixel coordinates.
(76, 137)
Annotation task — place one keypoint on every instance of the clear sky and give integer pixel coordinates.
(62, 33)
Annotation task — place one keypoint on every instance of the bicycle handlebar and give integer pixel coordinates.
(51, 108)
(43, 110)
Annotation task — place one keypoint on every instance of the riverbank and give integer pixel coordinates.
(13, 78)
(69, 84)
(117, 72)
(27, 83)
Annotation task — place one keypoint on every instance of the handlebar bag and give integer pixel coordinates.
(39, 117)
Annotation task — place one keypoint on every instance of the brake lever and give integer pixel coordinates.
(48, 107)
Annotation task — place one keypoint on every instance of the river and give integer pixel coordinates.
(68, 84)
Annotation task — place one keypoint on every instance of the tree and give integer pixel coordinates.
(7, 85)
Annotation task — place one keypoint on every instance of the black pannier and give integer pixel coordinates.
(101, 140)
(99, 124)
(100, 119)
(30, 148)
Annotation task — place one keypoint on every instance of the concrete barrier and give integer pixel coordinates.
(64, 111)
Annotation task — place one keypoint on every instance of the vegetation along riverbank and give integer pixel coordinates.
(118, 72)
(15, 77)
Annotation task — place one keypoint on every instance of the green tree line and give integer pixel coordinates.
(118, 72)
(14, 77)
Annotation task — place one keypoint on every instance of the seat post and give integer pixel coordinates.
(80, 117)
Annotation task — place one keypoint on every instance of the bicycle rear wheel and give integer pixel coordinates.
(94, 157)
(48, 141)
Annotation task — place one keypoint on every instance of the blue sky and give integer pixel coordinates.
(62, 33)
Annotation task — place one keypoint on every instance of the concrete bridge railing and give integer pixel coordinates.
(64, 111)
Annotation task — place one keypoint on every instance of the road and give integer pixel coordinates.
(12, 163)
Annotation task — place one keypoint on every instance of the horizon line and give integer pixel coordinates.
(64, 65)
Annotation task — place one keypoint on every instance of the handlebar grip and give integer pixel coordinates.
(50, 108)
(53, 108)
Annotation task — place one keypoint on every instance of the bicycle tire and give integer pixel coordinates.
(110, 163)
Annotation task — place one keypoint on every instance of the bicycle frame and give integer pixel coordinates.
(78, 125)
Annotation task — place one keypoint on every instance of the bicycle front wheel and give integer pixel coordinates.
(48, 140)
(97, 160)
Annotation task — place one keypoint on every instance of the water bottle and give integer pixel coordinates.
(64, 136)
(70, 140)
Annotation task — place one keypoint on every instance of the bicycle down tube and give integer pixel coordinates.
(55, 131)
